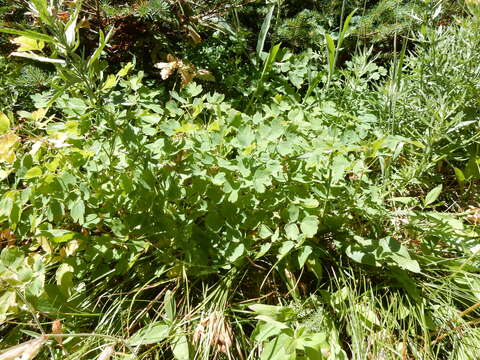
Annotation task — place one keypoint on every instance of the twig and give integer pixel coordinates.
(446, 333)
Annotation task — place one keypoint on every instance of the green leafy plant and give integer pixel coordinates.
(324, 209)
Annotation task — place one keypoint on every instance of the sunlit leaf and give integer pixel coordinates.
(32, 56)
(151, 334)
(4, 123)
(433, 195)
(33, 172)
(110, 82)
(7, 147)
(26, 43)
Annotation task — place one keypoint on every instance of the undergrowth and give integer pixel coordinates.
(239, 200)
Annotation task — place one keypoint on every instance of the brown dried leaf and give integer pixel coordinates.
(84, 23)
(192, 34)
(167, 68)
(473, 215)
(187, 73)
(57, 329)
(7, 236)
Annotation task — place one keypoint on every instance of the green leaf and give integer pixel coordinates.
(28, 44)
(276, 349)
(265, 330)
(11, 258)
(181, 348)
(78, 211)
(407, 264)
(169, 305)
(60, 235)
(8, 142)
(330, 54)
(7, 303)
(472, 169)
(33, 172)
(42, 8)
(264, 29)
(64, 278)
(153, 333)
(293, 212)
(345, 27)
(245, 136)
(110, 82)
(273, 311)
(295, 115)
(285, 247)
(235, 250)
(124, 71)
(339, 166)
(32, 56)
(433, 195)
(264, 232)
(315, 265)
(77, 105)
(101, 45)
(406, 282)
(459, 175)
(71, 28)
(193, 89)
(291, 231)
(28, 33)
(309, 226)
(398, 253)
(303, 255)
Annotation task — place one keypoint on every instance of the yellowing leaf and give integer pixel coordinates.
(124, 71)
(248, 150)
(110, 82)
(215, 126)
(7, 147)
(4, 123)
(197, 111)
(39, 114)
(186, 127)
(33, 172)
(53, 165)
(4, 174)
(27, 44)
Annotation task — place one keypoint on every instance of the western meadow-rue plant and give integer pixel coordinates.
(325, 208)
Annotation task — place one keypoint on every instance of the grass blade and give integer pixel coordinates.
(264, 30)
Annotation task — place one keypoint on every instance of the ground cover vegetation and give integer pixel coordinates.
(239, 179)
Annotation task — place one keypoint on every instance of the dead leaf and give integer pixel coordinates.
(473, 215)
(187, 73)
(7, 236)
(57, 329)
(192, 34)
